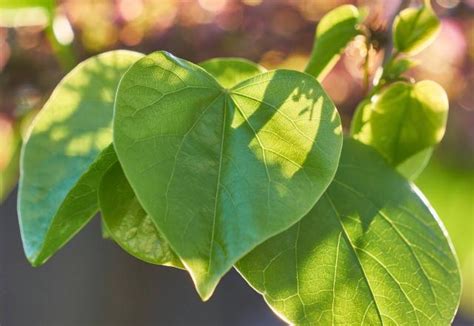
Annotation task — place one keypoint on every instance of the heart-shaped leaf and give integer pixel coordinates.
(128, 224)
(59, 179)
(335, 30)
(414, 29)
(124, 219)
(403, 119)
(371, 252)
(412, 167)
(221, 170)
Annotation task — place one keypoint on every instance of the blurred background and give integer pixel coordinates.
(92, 282)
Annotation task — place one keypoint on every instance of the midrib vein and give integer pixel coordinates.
(224, 118)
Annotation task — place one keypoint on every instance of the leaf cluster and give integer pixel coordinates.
(225, 164)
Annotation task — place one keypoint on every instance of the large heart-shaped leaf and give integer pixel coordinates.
(414, 29)
(335, 30)
(124, 219)
(371, 252)
(59, 179)
(221, 170)
(128, 224)
(403, 120)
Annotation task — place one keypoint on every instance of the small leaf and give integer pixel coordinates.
(221, 170)
(414, 29)
(403, 120)
(335, 30)
(371, 252)
(128, 224)
(60, 163)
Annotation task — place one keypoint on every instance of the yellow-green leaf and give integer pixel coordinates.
(402, 120)
(335, 30)
(372, 251)
(414, 29)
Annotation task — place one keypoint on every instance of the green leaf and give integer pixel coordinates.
(335, 30)
(403, 119)
(414, 29)
(371, 251)
(60, 167)
(128, 224)
(450, 191)
(120, 208)
(231, 71)
(221, 170)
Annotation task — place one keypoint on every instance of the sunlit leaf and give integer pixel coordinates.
(414, 29)
(124, 219)
(403, 119)
(371, 252)
(335, 30)
(221, 170)
(128, 224)
(59, 179)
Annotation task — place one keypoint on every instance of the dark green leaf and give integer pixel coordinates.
(221, 170)
(403, 119)
(371, 252)
(414, 29)
(335, 30)
(128, 224)
(60, 167)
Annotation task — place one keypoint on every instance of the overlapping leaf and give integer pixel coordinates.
(124, 219)
(221, 170)
(403, 120)
(128, 224)
(371, 252)
(60, 164)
